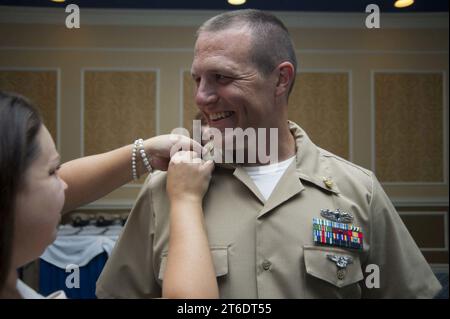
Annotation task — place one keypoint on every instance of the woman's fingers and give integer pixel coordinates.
(186, 157)
(188, 176)
(160, 163)
(184, 143)
(167, 145)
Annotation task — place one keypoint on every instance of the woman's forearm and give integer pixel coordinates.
(92, 177)
(189, 270)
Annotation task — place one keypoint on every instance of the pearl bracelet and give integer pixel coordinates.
(138, 145)
(133, 161)
(144, 155)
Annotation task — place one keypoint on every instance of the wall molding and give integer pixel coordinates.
(441, 268)
(445, 141)
(58, 94)
(194, 18)
(420, 202)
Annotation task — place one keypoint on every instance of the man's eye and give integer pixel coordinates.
(222, 78)
(54, 171)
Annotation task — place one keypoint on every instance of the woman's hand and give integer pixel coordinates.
(187, 181)
(162, 147)
(188, 177)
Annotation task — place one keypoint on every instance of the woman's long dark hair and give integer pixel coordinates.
(20, 123)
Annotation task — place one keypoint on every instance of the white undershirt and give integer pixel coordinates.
(266, 177)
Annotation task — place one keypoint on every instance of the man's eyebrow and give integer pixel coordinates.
(227, 70)
(224, 69)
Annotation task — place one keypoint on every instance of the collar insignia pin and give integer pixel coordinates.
(328, 182)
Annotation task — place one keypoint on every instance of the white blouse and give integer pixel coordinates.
(29, 293)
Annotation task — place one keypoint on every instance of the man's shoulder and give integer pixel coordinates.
(155, 179)
(154, 183)
(345, 164)
(345, 170)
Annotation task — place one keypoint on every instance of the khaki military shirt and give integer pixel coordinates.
(265, 249)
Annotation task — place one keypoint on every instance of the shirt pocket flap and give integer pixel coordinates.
(220, 260)
(320, 266)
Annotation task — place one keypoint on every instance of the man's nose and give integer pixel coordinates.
(206, 94)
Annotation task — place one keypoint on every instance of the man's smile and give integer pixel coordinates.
(220, 115)
(221, 120)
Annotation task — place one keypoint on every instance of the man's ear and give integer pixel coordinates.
(285, 78)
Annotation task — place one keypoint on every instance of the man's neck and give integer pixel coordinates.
(285, 146)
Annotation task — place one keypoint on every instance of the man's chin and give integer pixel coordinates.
(222, 128)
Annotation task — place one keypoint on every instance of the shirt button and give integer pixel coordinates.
(266, 265)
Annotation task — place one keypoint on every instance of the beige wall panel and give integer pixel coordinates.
(319, 103)
(119, 106)
(408, 127)
(41, 87)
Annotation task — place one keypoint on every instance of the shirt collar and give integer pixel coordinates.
(310, 165)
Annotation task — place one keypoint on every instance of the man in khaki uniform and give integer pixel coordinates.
(312, 226)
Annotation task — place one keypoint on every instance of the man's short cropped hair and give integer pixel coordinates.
(271, 42)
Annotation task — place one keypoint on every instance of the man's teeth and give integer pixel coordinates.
(220, 115)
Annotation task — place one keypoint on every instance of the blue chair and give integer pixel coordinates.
(443, 279)
(53, 278)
